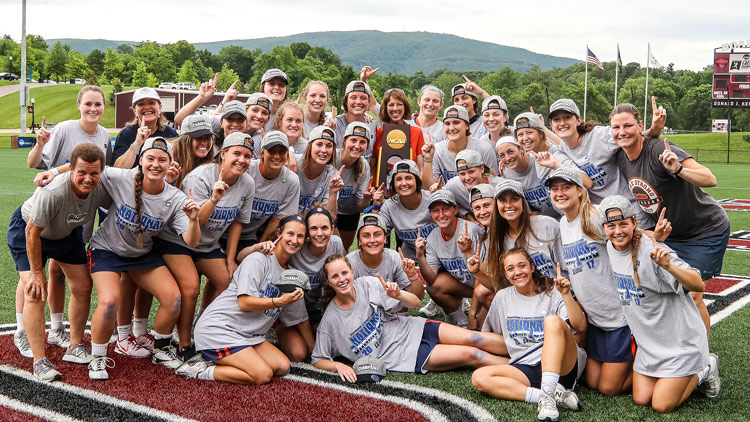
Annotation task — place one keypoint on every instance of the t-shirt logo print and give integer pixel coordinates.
(645, 195)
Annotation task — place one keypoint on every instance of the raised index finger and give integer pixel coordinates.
(380, 188)
(216, 79)
(382, 282)
(479, 249)
(653, 240)
(466, 227)
(233, 84)
(190, 193)
(653, 103)
(401, 253)
(340, 171)
(44, 122)
(559, 273)
(666, 145)
(661, 215)
(465, 78)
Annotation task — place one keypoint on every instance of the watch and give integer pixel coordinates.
(678, 170)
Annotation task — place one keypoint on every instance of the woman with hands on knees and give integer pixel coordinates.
(231, 333)
(653, 282)
(536, 316)
(359, 320)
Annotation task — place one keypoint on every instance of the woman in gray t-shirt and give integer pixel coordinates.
(359, 320)
(318, 180)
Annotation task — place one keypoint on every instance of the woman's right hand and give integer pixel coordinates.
(346, 372)
(331, 122)
(290, 297)
(420, 244)
(428, 150)
(43, 135)
(220, 187)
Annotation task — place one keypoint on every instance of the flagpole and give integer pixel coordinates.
(645, 94)
(617, 68)
(586, 83)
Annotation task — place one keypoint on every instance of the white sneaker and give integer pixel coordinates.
(567, 399)
(78, 354)
(130, 347)
(193, 367)
(462, 323)
(711, 386)
(166, 357)
(98, 367)
(59, 337)
(113, 338)
(546, 408)
(22, 344)
(44, 370)
(146, 341)
(466, 305)
(429, 310)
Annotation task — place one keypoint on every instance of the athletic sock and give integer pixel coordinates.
(162, 341)
(140, 326)
(549, 382)
(532, 395)
(99, 349)
(703, 374)
(124, 331)
(208, 374)
(56, 320)
(459, 316)
(19, 321)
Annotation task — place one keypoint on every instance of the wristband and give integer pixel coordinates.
(426, 162)
(416, 277)
(678, 170)
(273, 303)
(473, 272)
(212, 200)
(54, 171)
(132, 150)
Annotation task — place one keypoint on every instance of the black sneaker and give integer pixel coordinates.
(185, 353)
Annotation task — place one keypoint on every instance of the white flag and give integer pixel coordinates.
(652, 60)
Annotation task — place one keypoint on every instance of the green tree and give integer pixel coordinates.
(141, 75)
(58, 58)
(125, 49)
(36, 41)
(113, 65)
(279, 57)
(239, 59)
(181, 52)
(76, 66)
(227, 76)
(300, 49)
(694, 111)
(116, 87)
(187, 73)
(91, 78)
(95, 61)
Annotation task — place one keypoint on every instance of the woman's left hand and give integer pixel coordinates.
(391, 288)
(191, 208)
(173, 172)
(562, 283)
(464, 241)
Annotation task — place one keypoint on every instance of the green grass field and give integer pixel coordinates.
(729, 338)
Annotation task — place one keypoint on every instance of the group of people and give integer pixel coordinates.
(570, 248)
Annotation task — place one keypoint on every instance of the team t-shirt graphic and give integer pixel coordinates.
(270, 291)
(127, 220)
(538, 197)
(597, 174)
(525, 330)
(628, 291)
(578, 254)
(366, 338)
(263, 208)
(221, 217)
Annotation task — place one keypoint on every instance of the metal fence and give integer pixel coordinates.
(719, 156)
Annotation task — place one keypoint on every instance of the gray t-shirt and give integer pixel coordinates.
(342, 123)
(446, 253)
(309, 126)
(408, 223)
(223, 324)
(590, 275)
(316, 190)
(57, 208)
(477, 128)
(654, 188)
(520, 319)
(312, 265)
(536, 193)
(444, 161)
(369, 328)
(545, 248)
(67, 135)
(272, 199)
(595, 156)
(663, 318)
(436, 131)
(353, 191)
(235, 204)
(461, 193)
(119, 231)
(390, 267)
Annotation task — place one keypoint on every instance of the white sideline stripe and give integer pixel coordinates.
(37, 411)
(737, 286)
(477, 411)
(114, 401)
(427, 412)
(734, 307)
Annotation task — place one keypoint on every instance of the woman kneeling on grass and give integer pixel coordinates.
(653, 285)
(535, 320)
(359, 321)
(231, 332)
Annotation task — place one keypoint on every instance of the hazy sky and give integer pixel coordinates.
(681, 32)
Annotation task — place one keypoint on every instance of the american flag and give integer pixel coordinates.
(591, 58)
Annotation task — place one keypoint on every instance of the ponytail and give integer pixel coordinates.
(138, 185)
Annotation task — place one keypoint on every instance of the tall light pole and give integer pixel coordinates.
(22, 92)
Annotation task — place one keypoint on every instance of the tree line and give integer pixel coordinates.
(686, 94)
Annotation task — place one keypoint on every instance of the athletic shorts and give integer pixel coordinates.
(104, 260)
(347, 222)
(430, 337)
(213, 354)
(241, 244)
(534, 372)
(609, 346)
(165, 247)
(705, 254)
(68, 250)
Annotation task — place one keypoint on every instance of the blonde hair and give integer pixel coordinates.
(182, 152)
(283, 108)
(91, 88)
(303, 98)
(137, 192)
(589, 216)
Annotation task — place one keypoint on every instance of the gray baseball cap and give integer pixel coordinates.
(196, 125)
(157, 142)
(564, 104)
(616, 202)
(274, 138)
(456, 112)
(508, 185)
(145, 92)
(371, 220)
(566, 173)
(359, 86)
(494, 102)
(274, 73)
(470, 157)
(406, 166)
(233, 107)
(357, 129)
(460, 89)
(444, 196)
(527, 120)
(509, 140)
(323, 132)
(238, 139)
(369, 369)
(290, 279)
(481, 191)
(261, 99)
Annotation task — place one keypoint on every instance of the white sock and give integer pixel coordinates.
(549, 382)
(140, 326)
(19, 321)
(158, 336)
(208, 374)
(459, 316)
(532, 395)
(56, 320)
(703, 374)
(124, 331)
(99, 349)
